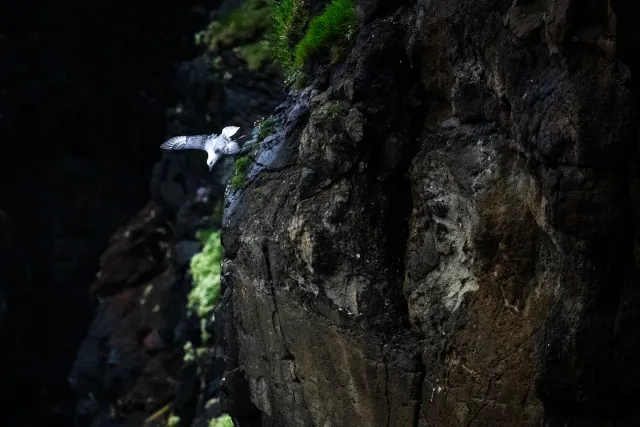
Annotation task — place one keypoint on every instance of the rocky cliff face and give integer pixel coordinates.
(442, 230)
(143, 360)
(438, 230)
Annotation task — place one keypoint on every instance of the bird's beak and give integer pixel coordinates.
(211, 167)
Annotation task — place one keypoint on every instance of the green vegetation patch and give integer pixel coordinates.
(189, 355)
(288, 21)
(173, 421)
(265, 127)
(255, 54)
(332, 109)
(223, 421)
(329, 32)
(262, 128)
(245, 23)
(205, 269)
(239, 177)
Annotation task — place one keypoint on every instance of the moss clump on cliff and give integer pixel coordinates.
(205, 269)
(255, 54)
(240, 172)
(244, 30)
(264, 127)
(189, 355)
(245, 23)
(330, 32)
(332, 110)
(173, 421)
(223, 421)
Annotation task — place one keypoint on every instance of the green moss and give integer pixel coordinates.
(239, 177)
(265, 127)
(223, 421)
(289, 19)
(217, 62)
(329, 32)
(332, 110)
(173, 421)
(205, 269)
(189, 354)
(255, 54)
(204, 335)
(245, 23)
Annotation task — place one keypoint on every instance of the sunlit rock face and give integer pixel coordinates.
(441, 230)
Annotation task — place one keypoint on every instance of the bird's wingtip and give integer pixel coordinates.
(170, 143)
(229, 131)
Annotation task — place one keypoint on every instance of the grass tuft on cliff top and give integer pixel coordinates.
(330, 32)
(205, 269)
(288, 20)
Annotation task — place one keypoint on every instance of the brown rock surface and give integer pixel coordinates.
(134, 283)
(457, 248)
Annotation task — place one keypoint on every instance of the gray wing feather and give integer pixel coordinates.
(224, 145)
(231, 148)
(196, 142)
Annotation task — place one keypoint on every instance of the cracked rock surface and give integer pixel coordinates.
(442, 232)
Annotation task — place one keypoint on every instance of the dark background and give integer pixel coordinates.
(84, 89)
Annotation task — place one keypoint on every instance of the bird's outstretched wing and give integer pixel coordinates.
(229, 131)
(196, 142)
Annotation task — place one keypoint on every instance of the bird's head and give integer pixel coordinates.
(211, 160)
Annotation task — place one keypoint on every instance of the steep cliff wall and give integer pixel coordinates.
(441, 229)
(144, 359)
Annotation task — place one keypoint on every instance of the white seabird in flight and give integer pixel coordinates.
(215, 145)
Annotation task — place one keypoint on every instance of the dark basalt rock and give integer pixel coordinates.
(130, 368)
(463, 250)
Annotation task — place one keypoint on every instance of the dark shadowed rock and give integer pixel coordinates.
(132, 369)
(458, 248)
